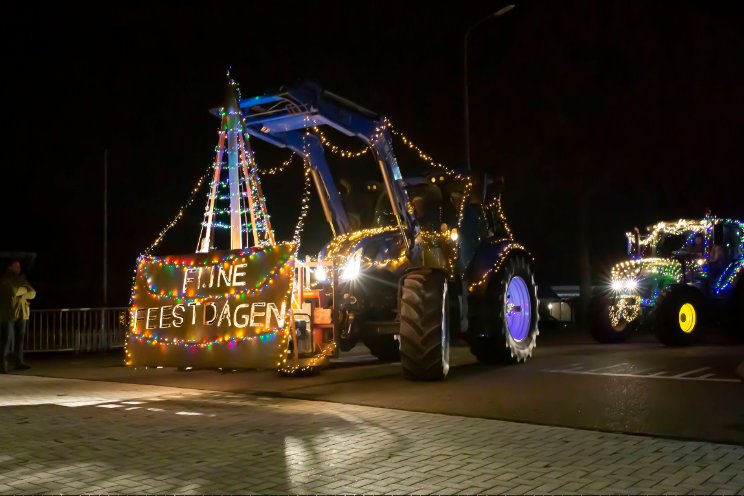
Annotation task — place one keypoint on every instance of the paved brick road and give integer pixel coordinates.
(71, 436)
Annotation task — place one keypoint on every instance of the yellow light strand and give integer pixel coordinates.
(180, 213)
(277, 169)
(337, 149)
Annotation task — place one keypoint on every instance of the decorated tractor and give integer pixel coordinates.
(681, 276)
(411, 262)
(428, 258)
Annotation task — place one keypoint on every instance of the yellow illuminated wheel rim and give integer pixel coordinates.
(687, 318)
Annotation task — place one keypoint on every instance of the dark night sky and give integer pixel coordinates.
(636, 106)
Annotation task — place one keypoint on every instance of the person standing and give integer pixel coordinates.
(14, 317)
(6, 317)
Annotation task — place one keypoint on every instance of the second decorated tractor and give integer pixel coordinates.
(680, 277)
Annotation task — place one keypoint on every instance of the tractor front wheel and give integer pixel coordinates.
(736, 320)
(424, 326)
(510, 316)
(601, 325)
(680, 316)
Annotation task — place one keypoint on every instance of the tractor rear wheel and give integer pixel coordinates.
(736, 321)
(600, 323)
(383, 346)
(511, 316)
(680, 316)
(424, 326)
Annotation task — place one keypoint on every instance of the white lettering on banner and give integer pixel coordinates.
(225, 314)
(214, 317)
(237, 273)
(279, 316)
(178, 319)
(163, 314)
(193, 306)
(224, 276)
(233, 275)
(244, 320)
(147, 319)
(258, 314)
(255, 314)
(186, 278)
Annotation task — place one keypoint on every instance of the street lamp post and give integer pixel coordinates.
(498, 13)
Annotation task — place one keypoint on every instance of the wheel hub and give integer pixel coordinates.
(687, 318)
(517, 308)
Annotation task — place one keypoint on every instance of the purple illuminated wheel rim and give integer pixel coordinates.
(518, 308)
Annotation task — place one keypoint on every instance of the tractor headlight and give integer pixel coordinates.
(352, 267)
(321, 274)
(624, 285)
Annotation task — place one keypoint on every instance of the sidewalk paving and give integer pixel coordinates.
(76, 436)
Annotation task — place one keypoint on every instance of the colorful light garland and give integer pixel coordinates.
(284, 264)
(727, 278)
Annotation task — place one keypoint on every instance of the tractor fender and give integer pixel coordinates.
(488, 259)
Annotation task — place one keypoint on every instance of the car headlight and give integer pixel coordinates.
(624, 284)
(321, 274)
(352, 267)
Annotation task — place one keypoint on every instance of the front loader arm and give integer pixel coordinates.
(283, 120)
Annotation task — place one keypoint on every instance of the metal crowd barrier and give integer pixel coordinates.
(76, 329)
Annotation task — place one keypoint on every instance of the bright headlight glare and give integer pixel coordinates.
(352, 267)
(321, 275)
(624, 284)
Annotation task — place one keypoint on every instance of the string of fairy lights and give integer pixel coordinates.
(179, 295)
(304, 206)
(386, 125)
(626, 308)
(333, 148)
(473, 286)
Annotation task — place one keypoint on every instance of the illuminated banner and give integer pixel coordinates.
(220, 309)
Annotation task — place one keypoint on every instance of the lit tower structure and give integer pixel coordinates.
(242, 182)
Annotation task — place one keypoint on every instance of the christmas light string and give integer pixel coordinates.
(279, 269)
(337, 149)
(180, 213)
(277, 169)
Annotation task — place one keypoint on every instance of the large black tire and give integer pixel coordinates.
(680, 316)
(383, 346)
(500, 346)
(736, 319)
(600, 325)
(424, 326)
